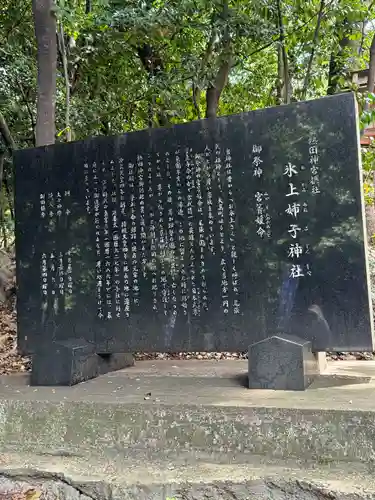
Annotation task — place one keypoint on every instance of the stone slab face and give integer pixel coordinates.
(282, 362)
(73, 361)
(207, 236)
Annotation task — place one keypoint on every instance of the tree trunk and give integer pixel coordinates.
(153, 64)
(283, 59)
(214, 90)
(338, 65)
(371, 68)
(2, 219)
(64, 60)
(9, 195)
(280, 77)
(196, 93)
(45, 33)
(196, 87)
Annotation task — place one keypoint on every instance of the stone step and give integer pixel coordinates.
(134, 477)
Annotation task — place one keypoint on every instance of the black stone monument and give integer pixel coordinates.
(209, 236)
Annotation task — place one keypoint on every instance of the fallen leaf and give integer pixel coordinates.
(33, 495)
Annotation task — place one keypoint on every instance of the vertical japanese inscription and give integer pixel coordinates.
(142, 221)
(61, 274)
(296, 207)
(231, 232)
(222, 242)
(67, 202)
(152, 230)
(199, 171)
(98, 249)
(257, 160)
(69, 276)
(52, 272)
(115, 242)
(189, 215)
(86, 177)
(181, 235)
(133, 236)
(51, 206)
(293, 210)
(190, 184)
(59, 207)
(124, 227)
(171, 236)
(210, 213)
(162, 236)
(44, 275)
(262, 217)
(314, 164)
(42, 201)
(107, 245)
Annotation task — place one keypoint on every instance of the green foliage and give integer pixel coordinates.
(367, 117)
(114, 91)
(368, 164)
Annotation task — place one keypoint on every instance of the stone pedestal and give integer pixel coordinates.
(282, 362)
(321, 359)
(69, 362)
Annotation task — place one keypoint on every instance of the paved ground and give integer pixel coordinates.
(344, 385)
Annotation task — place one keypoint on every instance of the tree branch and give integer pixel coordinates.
(7, 136)
(88, 7)
(9, 195)
(3, 180)
(287, 35)
(2, 159)
(18, 22)
(311, 58)
(29, 110)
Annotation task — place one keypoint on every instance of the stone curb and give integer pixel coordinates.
(108, 429)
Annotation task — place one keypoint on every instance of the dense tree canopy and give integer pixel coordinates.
(112, 66)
